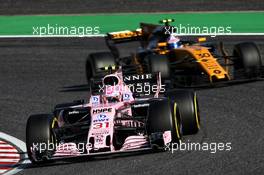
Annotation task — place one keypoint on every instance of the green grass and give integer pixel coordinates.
(245, 22)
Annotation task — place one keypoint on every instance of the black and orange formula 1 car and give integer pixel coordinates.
(183, 63)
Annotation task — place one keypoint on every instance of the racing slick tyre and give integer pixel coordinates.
(162, 118)
(159, 63)
(189, 110)
(248, 58)
(40, 140)
(97, 61)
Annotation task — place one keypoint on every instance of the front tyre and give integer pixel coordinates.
(163, 116)
(40, 140)
(189, 110)
(96, 61)
(247, 58)
(159, 63)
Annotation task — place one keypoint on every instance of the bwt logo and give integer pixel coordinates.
(126, 96)
(102, 110)
(95, 99)
(101, 118)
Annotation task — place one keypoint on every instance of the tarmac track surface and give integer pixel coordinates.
(13, 7)
(34, 71)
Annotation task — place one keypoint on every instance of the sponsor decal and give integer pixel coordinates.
(203, 55)
(100, 133)
(101, 110)
(95, 99)
(217, 71)
(74, 112)
(102, 125)
(101, 118)
(140, 105)
(167, 137)
(127, 96)
(99, 138)
(137, 77)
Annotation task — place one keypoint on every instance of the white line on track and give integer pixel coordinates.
(5, 146)
(3, 160)
(102, 35)
(20, 145)
(9, 155)
(8, 150)
(49, 36)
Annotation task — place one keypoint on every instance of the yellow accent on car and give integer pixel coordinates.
(196, 111)
(175, 120)
(201, 39)
(126, 34)
(53, 122)
(207, 62)
(167, 20)
(52, 126)
(162, 44)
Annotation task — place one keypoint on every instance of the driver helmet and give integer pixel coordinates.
(173, 42)
(112, 89)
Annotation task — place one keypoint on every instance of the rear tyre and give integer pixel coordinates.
(162, 117)
(159, 63)
(189, 110)
(39, 133)
(247, 58)
(97, 61)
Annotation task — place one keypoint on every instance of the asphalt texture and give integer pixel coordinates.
(34, 72)
(13, 7)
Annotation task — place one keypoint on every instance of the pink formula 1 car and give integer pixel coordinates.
(115, 120)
